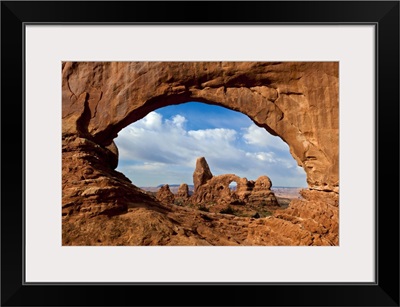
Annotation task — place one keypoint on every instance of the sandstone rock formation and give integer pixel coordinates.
(90, 186)
(216, 190)
(182, 196)
(201, 173)
(165, 196)
(297, 101)
(303, 223)
(261, 193)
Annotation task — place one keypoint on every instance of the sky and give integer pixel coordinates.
(163, 147)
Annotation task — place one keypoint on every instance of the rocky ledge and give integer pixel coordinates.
(102, 207)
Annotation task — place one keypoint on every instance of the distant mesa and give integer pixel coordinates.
(169, 184)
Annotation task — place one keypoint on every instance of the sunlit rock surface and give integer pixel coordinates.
(297, 101)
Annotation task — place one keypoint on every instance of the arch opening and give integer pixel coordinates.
(233, 186)
(162, 147)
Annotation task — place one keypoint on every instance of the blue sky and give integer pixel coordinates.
(163, 147)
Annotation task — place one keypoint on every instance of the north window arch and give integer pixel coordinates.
(297, 101)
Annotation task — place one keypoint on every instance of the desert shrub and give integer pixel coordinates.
(178, 202)
(264, 213)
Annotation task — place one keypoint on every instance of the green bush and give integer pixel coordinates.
(178, 202)
(264, 213)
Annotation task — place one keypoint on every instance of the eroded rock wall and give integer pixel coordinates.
(296, 100)
(90, 186)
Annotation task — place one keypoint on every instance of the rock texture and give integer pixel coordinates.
(165, 196)
(201, 173)
(261, 194)
(217, 190)
(215, 193)
(303, 223)
(90, 186)
(183, 192)
(297, 101)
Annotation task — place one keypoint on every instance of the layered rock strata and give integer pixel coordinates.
(297, 101)
(90, 186)
(216, 189)
(261, 193)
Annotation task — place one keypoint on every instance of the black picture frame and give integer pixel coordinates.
(383, 14)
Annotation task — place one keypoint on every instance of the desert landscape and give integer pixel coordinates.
(296, 101)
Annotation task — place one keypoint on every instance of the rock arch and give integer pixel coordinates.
(297, 101)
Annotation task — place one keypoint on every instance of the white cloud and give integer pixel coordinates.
(179, 120)
(152, 121)
(217, 134)
(262, 156)
(156, 150)
(257, 136)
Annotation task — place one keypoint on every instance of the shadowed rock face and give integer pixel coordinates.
(297, 101)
